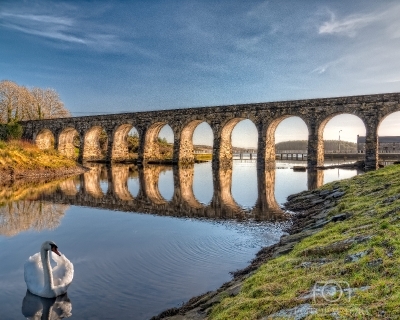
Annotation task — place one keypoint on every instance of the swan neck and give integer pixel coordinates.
(48, 276)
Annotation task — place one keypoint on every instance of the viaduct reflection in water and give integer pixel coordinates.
(88, 192)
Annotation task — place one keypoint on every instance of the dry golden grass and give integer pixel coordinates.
(21, 155)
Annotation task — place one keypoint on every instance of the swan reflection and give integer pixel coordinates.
(38, 308)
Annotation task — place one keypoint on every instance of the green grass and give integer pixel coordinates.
(279, 283)
(20, 155)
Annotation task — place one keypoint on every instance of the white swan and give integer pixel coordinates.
(43, 280)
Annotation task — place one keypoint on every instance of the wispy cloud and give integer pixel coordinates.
(38, 18)
(364, 52)
(51, 33)
(320, 69)
(60, 28)
(347, 26)
(47, 26)
(351, 25)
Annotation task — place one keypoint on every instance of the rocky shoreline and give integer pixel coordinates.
(309, 211)
(11, 175)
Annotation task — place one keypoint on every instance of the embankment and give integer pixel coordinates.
(340, 259)
(20, 160)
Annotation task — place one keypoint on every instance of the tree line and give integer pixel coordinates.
(18, 103)
(329, 145)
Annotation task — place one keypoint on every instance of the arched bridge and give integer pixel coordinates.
(316, 113)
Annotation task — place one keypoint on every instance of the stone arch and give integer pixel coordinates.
(244, 130)
(66, 142)
(186, 148)
(91, 144)
(120, 150)
(391, 128)
(270, 136)
(385, 119)
(45, 139)
(151, 147)
(321, 129)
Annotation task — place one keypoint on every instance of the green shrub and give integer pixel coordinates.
(10, 131)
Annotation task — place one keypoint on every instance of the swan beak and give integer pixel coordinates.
(54, 249)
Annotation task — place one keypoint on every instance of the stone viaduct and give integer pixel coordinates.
(371, 109)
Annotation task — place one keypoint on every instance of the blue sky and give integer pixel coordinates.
(118, 56)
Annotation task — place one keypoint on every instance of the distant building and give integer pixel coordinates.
(388, 144)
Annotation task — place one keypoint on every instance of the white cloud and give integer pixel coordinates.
(386, 19)
(348, 26)
(320, 69)
(51, 33)
(62, 28)
(38, 18)
(369, 60)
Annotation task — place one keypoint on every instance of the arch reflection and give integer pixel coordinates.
(266, 208)
(315, 178)
(183, 191)
(149, 199)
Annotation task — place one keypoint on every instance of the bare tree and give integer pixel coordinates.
(13, 100)
(47, 104)
(18, 103)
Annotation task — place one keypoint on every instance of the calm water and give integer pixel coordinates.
(144, 240)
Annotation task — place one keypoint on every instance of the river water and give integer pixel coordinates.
(143, 239)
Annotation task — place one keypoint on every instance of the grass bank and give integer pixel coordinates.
(360, 255)
(20, 158)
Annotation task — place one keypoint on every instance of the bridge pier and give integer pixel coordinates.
(222, 148)
(315, 148)
(117, 149)
(371, 148)
(183, 143)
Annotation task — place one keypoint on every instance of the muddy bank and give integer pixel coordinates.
(360, 164)
(309, 211)
(10, 175)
